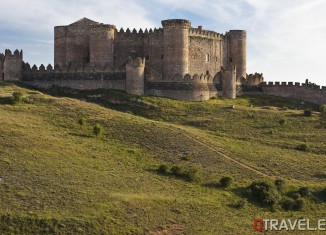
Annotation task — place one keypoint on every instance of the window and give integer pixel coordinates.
(207, 72)
(207, 57)
(231, 60)
(147, 57)
(162, 56)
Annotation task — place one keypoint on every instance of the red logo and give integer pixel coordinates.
(258, 225)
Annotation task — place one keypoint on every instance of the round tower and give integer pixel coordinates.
(237, 40)
(229, 80)
(102, 45)
(176, 47)
(135, 80)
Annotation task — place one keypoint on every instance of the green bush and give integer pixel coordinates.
(163, 169)
(17, 97)
(176, 170)
(303, 148)
(279, 183)
(287, 203)
(192, 175)
(282, 121)
(240, 204)
(295, 196)
(97, 129)
(299, 204)
(322, 108)
(263, 192)
(307, 113)
(82, 121)
(226, 181)
(304, 191)
(186, 158)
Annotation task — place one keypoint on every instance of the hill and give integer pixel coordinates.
(58, 177)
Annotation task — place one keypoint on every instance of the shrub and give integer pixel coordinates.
(226, 181)
(287, 203)
(192, 175)
(186, 158)
(97, 129)
(176, 170)
(240, 204)
(81, 121)
(163, 169)
(282, 121)
(304, 191)
(307, 113)
(279, 183)
(322, 108)
(303, 148)
(263, 192)
(299, 204)
(296, 196)
(17, 97)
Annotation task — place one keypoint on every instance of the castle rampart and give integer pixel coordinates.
(307, 92)
(175, 61)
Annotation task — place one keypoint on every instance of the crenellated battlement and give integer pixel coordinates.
(196, 78)
(293, 84)
(17, 54)
(199, 32)
(27, 69)
(176, 23)
(308, 92)
(138, 33)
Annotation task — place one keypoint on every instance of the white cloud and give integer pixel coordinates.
(40, 15)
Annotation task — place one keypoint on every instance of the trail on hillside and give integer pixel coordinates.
(184, 133)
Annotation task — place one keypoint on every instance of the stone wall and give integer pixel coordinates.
(82, 79)
(2, 60)
(311, 93)
(188, 88)
(176, 47)
(237, 50)
(205, 52)
(135, 76)
(12, 65)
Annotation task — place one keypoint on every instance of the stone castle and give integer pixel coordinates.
(176, 61)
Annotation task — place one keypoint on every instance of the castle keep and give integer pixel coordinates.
(176, 61)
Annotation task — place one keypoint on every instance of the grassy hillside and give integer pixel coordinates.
(58, 177)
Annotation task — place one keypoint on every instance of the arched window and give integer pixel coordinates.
(207, 57)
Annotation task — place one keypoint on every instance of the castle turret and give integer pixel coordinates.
(71, 43)
(2, 60)
(237, 40)
(135, 71)
(176, 47)
(229, 85)
(102, 45)
(12, 66)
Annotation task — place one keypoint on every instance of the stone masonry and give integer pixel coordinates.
(176, 61)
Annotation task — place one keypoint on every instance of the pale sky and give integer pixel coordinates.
(285, 38)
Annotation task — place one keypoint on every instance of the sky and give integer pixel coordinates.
(285, 38)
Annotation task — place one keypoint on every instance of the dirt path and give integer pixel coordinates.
(184, 133)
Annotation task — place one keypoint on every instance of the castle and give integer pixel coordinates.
(176, 61)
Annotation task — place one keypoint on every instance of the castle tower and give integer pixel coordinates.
(237, 40)
(229, 86)
(12, 66)
(72, 43)
(102, 45)
(60, 33)
(176, 47)
(2, 60)
(135, 79)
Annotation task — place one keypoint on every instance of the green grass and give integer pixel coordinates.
(57, 177)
